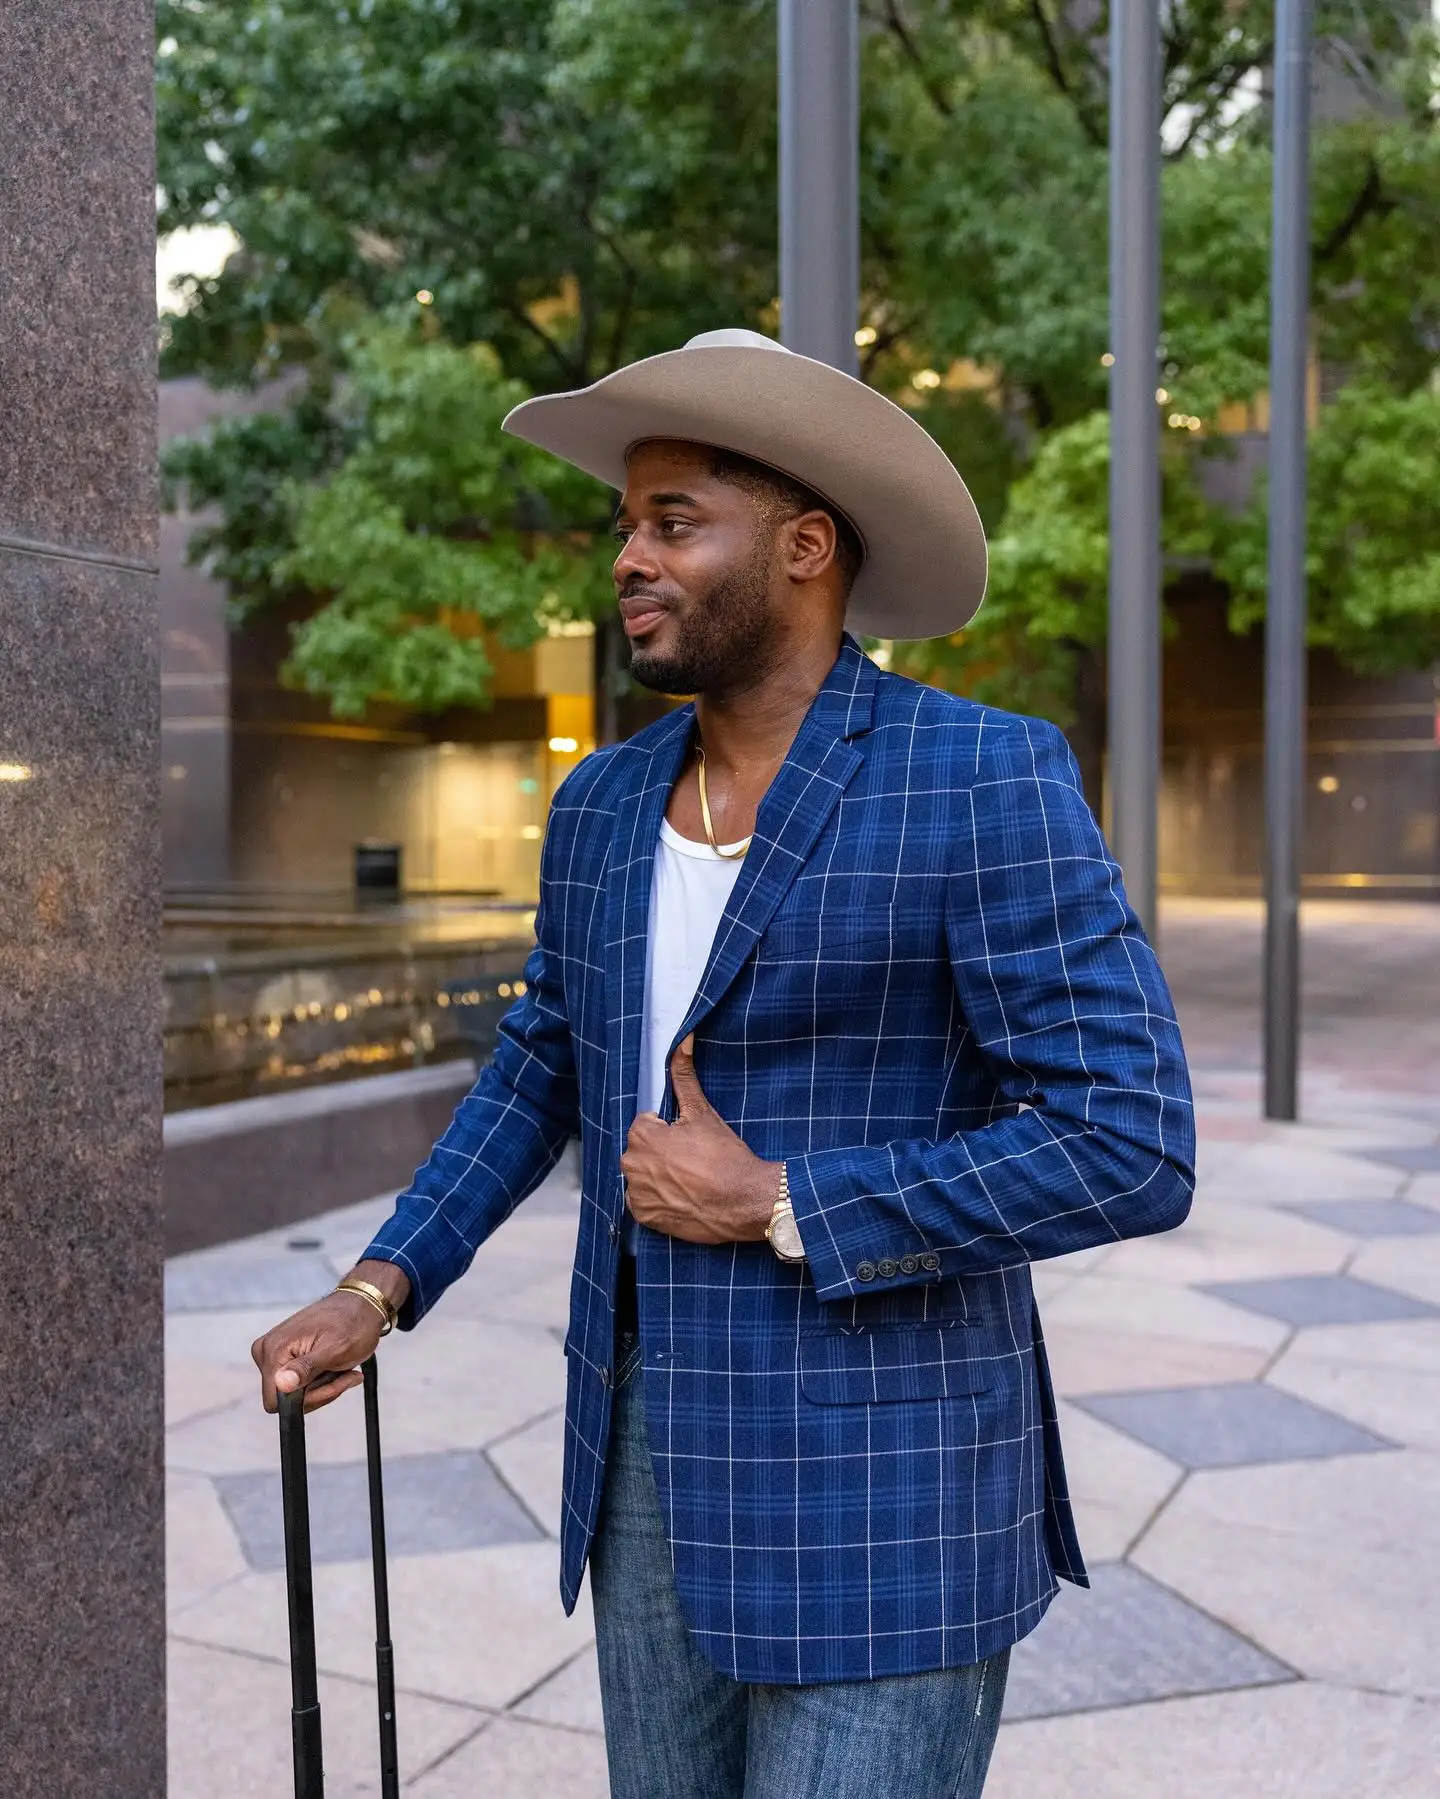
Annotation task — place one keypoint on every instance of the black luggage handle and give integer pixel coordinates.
(304, 1684)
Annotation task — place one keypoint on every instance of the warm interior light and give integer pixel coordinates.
(1328, 784)
(564, 746)
(14, 771)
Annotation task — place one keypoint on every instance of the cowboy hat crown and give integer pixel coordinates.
(924, 568)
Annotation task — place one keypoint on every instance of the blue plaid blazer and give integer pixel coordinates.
(929, 996)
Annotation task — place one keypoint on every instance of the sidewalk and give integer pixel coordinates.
(1252, 1424)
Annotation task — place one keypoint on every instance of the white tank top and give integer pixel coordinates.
(690, 890)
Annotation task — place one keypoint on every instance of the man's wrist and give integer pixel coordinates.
(765, 1192)
(393, 1282)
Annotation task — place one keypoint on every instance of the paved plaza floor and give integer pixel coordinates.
(1251, 1419)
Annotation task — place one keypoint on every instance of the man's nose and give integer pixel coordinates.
(635, 561)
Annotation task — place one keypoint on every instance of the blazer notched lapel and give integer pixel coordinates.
(638, 812)
(792, 815)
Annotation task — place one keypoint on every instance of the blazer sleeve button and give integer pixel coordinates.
(865, 1271)
(930, 1261)
(887, 1268)
(908, 1264)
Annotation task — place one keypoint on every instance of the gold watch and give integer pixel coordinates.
(783, 1233)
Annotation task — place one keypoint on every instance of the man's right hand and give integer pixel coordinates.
(321, 1347)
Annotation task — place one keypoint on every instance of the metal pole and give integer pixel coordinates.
(820, 179)
(1134, 649)
(384, 1648)
(1285, 608)
(305, 1733)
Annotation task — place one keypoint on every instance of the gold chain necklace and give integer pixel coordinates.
(728, 855)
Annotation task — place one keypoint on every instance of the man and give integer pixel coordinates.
(836, 982)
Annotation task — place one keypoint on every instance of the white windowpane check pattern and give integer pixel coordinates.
(929, 996)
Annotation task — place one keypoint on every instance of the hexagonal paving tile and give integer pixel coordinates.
(230, 1283)
(1303, 1299)
(1371, 1217)
(1423, 1158)
(452, 1500)
(1127, 1639)
(1230, 1426)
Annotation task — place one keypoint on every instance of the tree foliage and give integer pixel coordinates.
(240, 477)
(434, 530)
(575, 183)
(1037, 643)
(430, 530)
(1373, 554)
(1050, 562)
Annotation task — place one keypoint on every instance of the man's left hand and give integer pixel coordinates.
(695, 1179)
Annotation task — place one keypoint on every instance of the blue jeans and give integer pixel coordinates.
(675, 1728)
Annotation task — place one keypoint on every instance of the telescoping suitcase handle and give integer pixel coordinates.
(304, 1685)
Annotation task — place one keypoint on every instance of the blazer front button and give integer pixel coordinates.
(865, 1271)
(887, 1268)
(908, 1264)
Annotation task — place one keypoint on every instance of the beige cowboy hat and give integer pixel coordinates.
(924, 568)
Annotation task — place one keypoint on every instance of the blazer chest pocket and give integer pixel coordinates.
(834, 973)
(870, 1367)
(865, 936)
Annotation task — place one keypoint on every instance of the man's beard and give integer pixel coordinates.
(721, 642)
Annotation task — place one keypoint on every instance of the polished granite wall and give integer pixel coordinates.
(81, 1492)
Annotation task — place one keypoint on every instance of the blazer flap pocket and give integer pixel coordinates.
(915, 1361)
(852, 933)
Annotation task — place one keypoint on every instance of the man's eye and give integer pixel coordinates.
(671, 525)
(621, 533)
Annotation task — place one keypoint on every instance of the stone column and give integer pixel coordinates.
(81, 1486)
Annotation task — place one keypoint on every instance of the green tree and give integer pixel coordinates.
(1038, 641)
(568, 208)
(1373, 554)
(511, 157)
(433, 530)
(414, 524)
(578, 182)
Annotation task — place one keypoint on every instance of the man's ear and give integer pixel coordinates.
(810, 545)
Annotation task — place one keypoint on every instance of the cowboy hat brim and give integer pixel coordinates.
(924, 568)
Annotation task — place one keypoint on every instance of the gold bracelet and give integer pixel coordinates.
(372, 1296)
